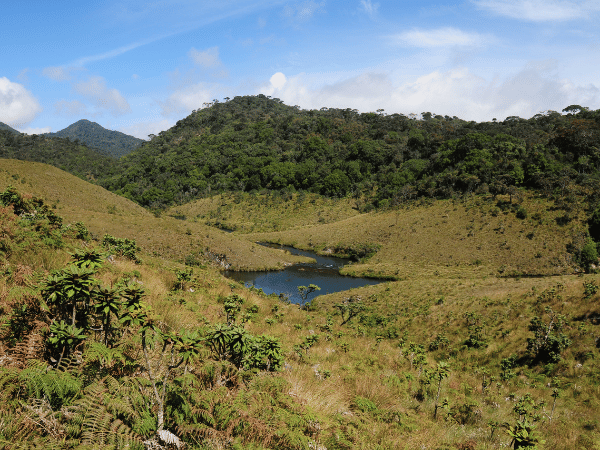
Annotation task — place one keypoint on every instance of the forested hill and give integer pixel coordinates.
(65, 154)
(4, 127)
(112, 143)
(255, 142)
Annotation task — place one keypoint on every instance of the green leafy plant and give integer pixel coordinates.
(68, 293)
(440, 372)
(107, 304)
(88, 258)
(233, 305)
(64, 338)
(121, 246)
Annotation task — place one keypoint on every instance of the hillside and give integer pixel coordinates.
(255, 143)
(123, 354)
(4, 127)
(63, 153)
(95, 136)
(478, 236)
(106, 213)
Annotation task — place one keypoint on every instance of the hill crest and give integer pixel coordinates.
(95, 136)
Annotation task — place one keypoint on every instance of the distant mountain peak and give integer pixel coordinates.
(95, 136)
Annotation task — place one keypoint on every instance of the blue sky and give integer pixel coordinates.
(139, 66)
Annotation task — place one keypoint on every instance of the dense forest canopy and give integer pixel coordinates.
(72, 157)
(256, 142)
(253, 143)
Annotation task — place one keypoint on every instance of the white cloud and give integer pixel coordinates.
(143, 129)
(369, 7)
(30, 130)
(441, 37)
(135, 76)
(96, 90)
(278, 80)
(304, 11)
(455, 92)
(186, 99)
(18, 106)
(541, 10)
(69, 109)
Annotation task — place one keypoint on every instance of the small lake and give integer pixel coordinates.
(324, 273)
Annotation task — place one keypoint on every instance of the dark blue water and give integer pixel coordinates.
(324, 273)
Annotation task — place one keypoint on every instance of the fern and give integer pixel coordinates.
(104, 415)
(57, 386)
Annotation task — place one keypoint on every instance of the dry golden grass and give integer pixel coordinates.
(447, 239)
(247, 213)
(443, 276)
(106, 213)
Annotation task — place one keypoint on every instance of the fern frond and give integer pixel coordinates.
(32, 347)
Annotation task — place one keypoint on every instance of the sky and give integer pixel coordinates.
(140, 66)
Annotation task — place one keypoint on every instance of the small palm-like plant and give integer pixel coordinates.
(107, 304)
(524, 435)
(65, 338)
(68, 292)
(88, 258)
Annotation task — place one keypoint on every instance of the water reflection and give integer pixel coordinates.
(324, 273)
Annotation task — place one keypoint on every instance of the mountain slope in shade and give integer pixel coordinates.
(113, 143)
(3, 126)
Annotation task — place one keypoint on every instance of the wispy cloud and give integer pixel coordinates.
(541, 10)
(143, 129)
(60, 73)
(303, 11)
(69, 108)
(33, 130)
(189, 15)
(96, 90)
(208, 58)
(441, 37)
(186, 99)
(18, 106)
(81, 62)
(369, 7)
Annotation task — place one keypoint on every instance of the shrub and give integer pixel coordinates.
(548, 342)
(521, 213)
(121, 246)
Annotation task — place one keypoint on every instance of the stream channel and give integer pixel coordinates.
(324, 273)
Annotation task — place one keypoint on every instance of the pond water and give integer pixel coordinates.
(324, 273)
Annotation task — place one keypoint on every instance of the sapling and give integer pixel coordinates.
(305, 291)
(555, 396)
(441, 371)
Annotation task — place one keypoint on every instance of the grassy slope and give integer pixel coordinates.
(419, 306)
(246, 213)
(104, 212)
(444, 239)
